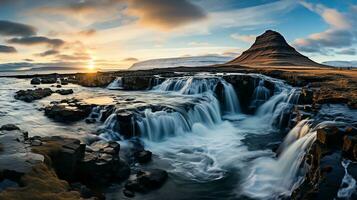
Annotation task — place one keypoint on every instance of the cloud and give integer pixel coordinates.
(7, 49)
(89, 32)
(130, 60)
(165, 14)
(35, 40)
(8, 28)
(340, 33)
(244, 38)
(350, 51)
(73, 57)
(48, 53)
(198, 44)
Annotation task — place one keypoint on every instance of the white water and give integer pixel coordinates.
(260, 95)
(273, 177)
(201, 146)
(117, 84)
(348, 185)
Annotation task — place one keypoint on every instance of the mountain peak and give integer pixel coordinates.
(271, 49)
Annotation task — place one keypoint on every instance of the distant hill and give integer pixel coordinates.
(338, 63)
(196, 61)
(271, 49)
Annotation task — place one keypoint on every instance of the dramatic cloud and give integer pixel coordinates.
(7, 49)
(165, 14)
(74, 57)
(35, 40)
(198, 44)
(8, 28)
(340, 34)
(48, 53)
(244, 38)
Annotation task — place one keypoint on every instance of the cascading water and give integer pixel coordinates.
(117, 84)
(270, 177)
(201, 145)
(260, 95)
(348, 185)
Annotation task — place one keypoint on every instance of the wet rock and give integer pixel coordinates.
(16, 159)
(64, 91)
(69, 110)
(35, 81)
(9, 127)
(48, 80)
(306, 96)
(64, 153)
(128, 193)
(101, 164)
(58, 86)
(94, 80)
(144, 181)
(143, 156)
(350, 146)
(136, 82)
(31, 95)
(330, 135)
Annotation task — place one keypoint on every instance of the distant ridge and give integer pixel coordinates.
(271, 49)
(193, 61)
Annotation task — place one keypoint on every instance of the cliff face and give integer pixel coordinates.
(271, 49)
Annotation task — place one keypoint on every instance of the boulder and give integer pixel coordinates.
(64, 91)
(48, 80)
(63, 153)
(144, 181)
(143, 156)
(31, 95)
(69, 110)
(137, 82)
(9, 127)
(35, 81)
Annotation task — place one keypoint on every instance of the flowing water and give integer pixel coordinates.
(196, 129)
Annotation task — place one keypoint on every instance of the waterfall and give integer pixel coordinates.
(159, 125)
(260, 95)
(275, 109)
(202, 86)
(117, 84)
(274, 177)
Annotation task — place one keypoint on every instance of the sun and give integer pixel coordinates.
(91, 65)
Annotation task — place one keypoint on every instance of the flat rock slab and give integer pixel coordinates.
(16, 158)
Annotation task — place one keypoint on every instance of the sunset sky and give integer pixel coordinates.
(118, 33)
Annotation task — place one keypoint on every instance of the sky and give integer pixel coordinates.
(114, 34)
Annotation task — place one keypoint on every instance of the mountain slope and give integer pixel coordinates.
(271, 49)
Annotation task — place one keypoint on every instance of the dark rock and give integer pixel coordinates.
(306, 96)
(330, 135)
(64, 91)
(148, 180)
(48, 80)
(9, 127)
(94, 80)
(65, 154)
(128, 193)
(35, 81)
(31, 95)
(58, 86)
(82, 189)
(136, 82)
(143, 156)
(350, 146)
(69, 110)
